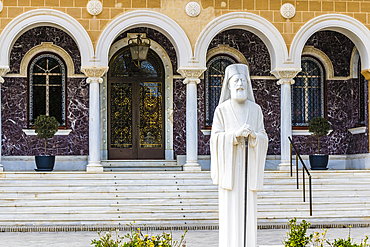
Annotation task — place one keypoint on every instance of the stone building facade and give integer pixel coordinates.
(172, 91)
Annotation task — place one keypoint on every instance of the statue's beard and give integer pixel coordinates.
(239, 94)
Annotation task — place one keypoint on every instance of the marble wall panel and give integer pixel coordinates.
(14, 119)
(179, 117)
(337, 47)
(37, 35)
(342, 113)
(250, 45)
(159, 38)
(267, 95)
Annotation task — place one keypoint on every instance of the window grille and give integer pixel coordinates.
(47, 82)
(308, 93)
(214, 77)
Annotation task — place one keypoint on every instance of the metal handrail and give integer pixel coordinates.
(304, 168)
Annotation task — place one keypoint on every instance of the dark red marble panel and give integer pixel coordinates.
(179, 117)
(14, 119)
(342, 113)
(37, 35)
(337, 47)
(250, 45)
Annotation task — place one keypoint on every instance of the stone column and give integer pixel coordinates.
(285, 77)
(3, 71)
(94, 74)
(191, 76)
(366, 74)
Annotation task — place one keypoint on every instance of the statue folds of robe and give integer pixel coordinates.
(228, 164)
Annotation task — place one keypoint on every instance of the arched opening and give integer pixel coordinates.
(135, 107)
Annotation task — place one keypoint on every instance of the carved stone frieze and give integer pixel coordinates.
(94, 71)
(285, 75)
(191, 73)
(94, 7)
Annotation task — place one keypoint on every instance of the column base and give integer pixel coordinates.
(192, 167)
(284, 167)
(94, 167)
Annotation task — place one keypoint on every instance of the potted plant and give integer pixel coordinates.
(45, 128)
(319, 127)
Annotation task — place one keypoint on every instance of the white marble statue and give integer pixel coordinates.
(237, 118)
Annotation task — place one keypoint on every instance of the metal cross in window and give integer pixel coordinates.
(47, 73)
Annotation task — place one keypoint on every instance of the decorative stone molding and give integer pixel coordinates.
(358, 130)
(225, 49)
(287, 10)
(191, 74)
(94, 7)
(3, 71)
(94, 71)
(323, 58)
(61, 132)
(1, 6)
(193, 9)
(285, 75)
(46, 47)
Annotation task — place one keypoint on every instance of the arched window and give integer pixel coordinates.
(214, 77)
(308, 93)
(47, 88)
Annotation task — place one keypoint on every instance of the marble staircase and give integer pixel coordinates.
(176, 198)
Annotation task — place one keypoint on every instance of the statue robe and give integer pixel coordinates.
(228, 155)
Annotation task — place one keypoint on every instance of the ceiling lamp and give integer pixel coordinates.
(139, 48)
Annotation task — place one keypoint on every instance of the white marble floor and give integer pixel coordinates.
(193, 238)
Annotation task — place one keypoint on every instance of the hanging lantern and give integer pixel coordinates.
(139, 48)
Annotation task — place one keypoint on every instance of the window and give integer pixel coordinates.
(361, 96)
(214, 77)
(47, 88)
(308, 93)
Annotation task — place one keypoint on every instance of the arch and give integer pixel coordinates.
(247, 21)
(352, 28)
(147, 18)
(225, 49)
(42, 17)
(323, 58)
(168, 80)
(47, 47)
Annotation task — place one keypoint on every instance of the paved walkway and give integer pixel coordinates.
(193, 238)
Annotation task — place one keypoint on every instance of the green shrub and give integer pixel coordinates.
(45, 127)
(297, 234)
(137, 239)
(319, 127)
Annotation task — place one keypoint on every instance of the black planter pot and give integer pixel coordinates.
(319, 161)
(44, 163)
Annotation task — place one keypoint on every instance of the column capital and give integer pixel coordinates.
(94, 79)
(94, 71)
(285, 75)
(366, 74)
(3, 71)
(191, 73)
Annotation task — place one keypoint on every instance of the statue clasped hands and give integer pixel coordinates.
(245, 131)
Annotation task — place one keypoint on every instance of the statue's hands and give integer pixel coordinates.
(240, 132)
(248, 131)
